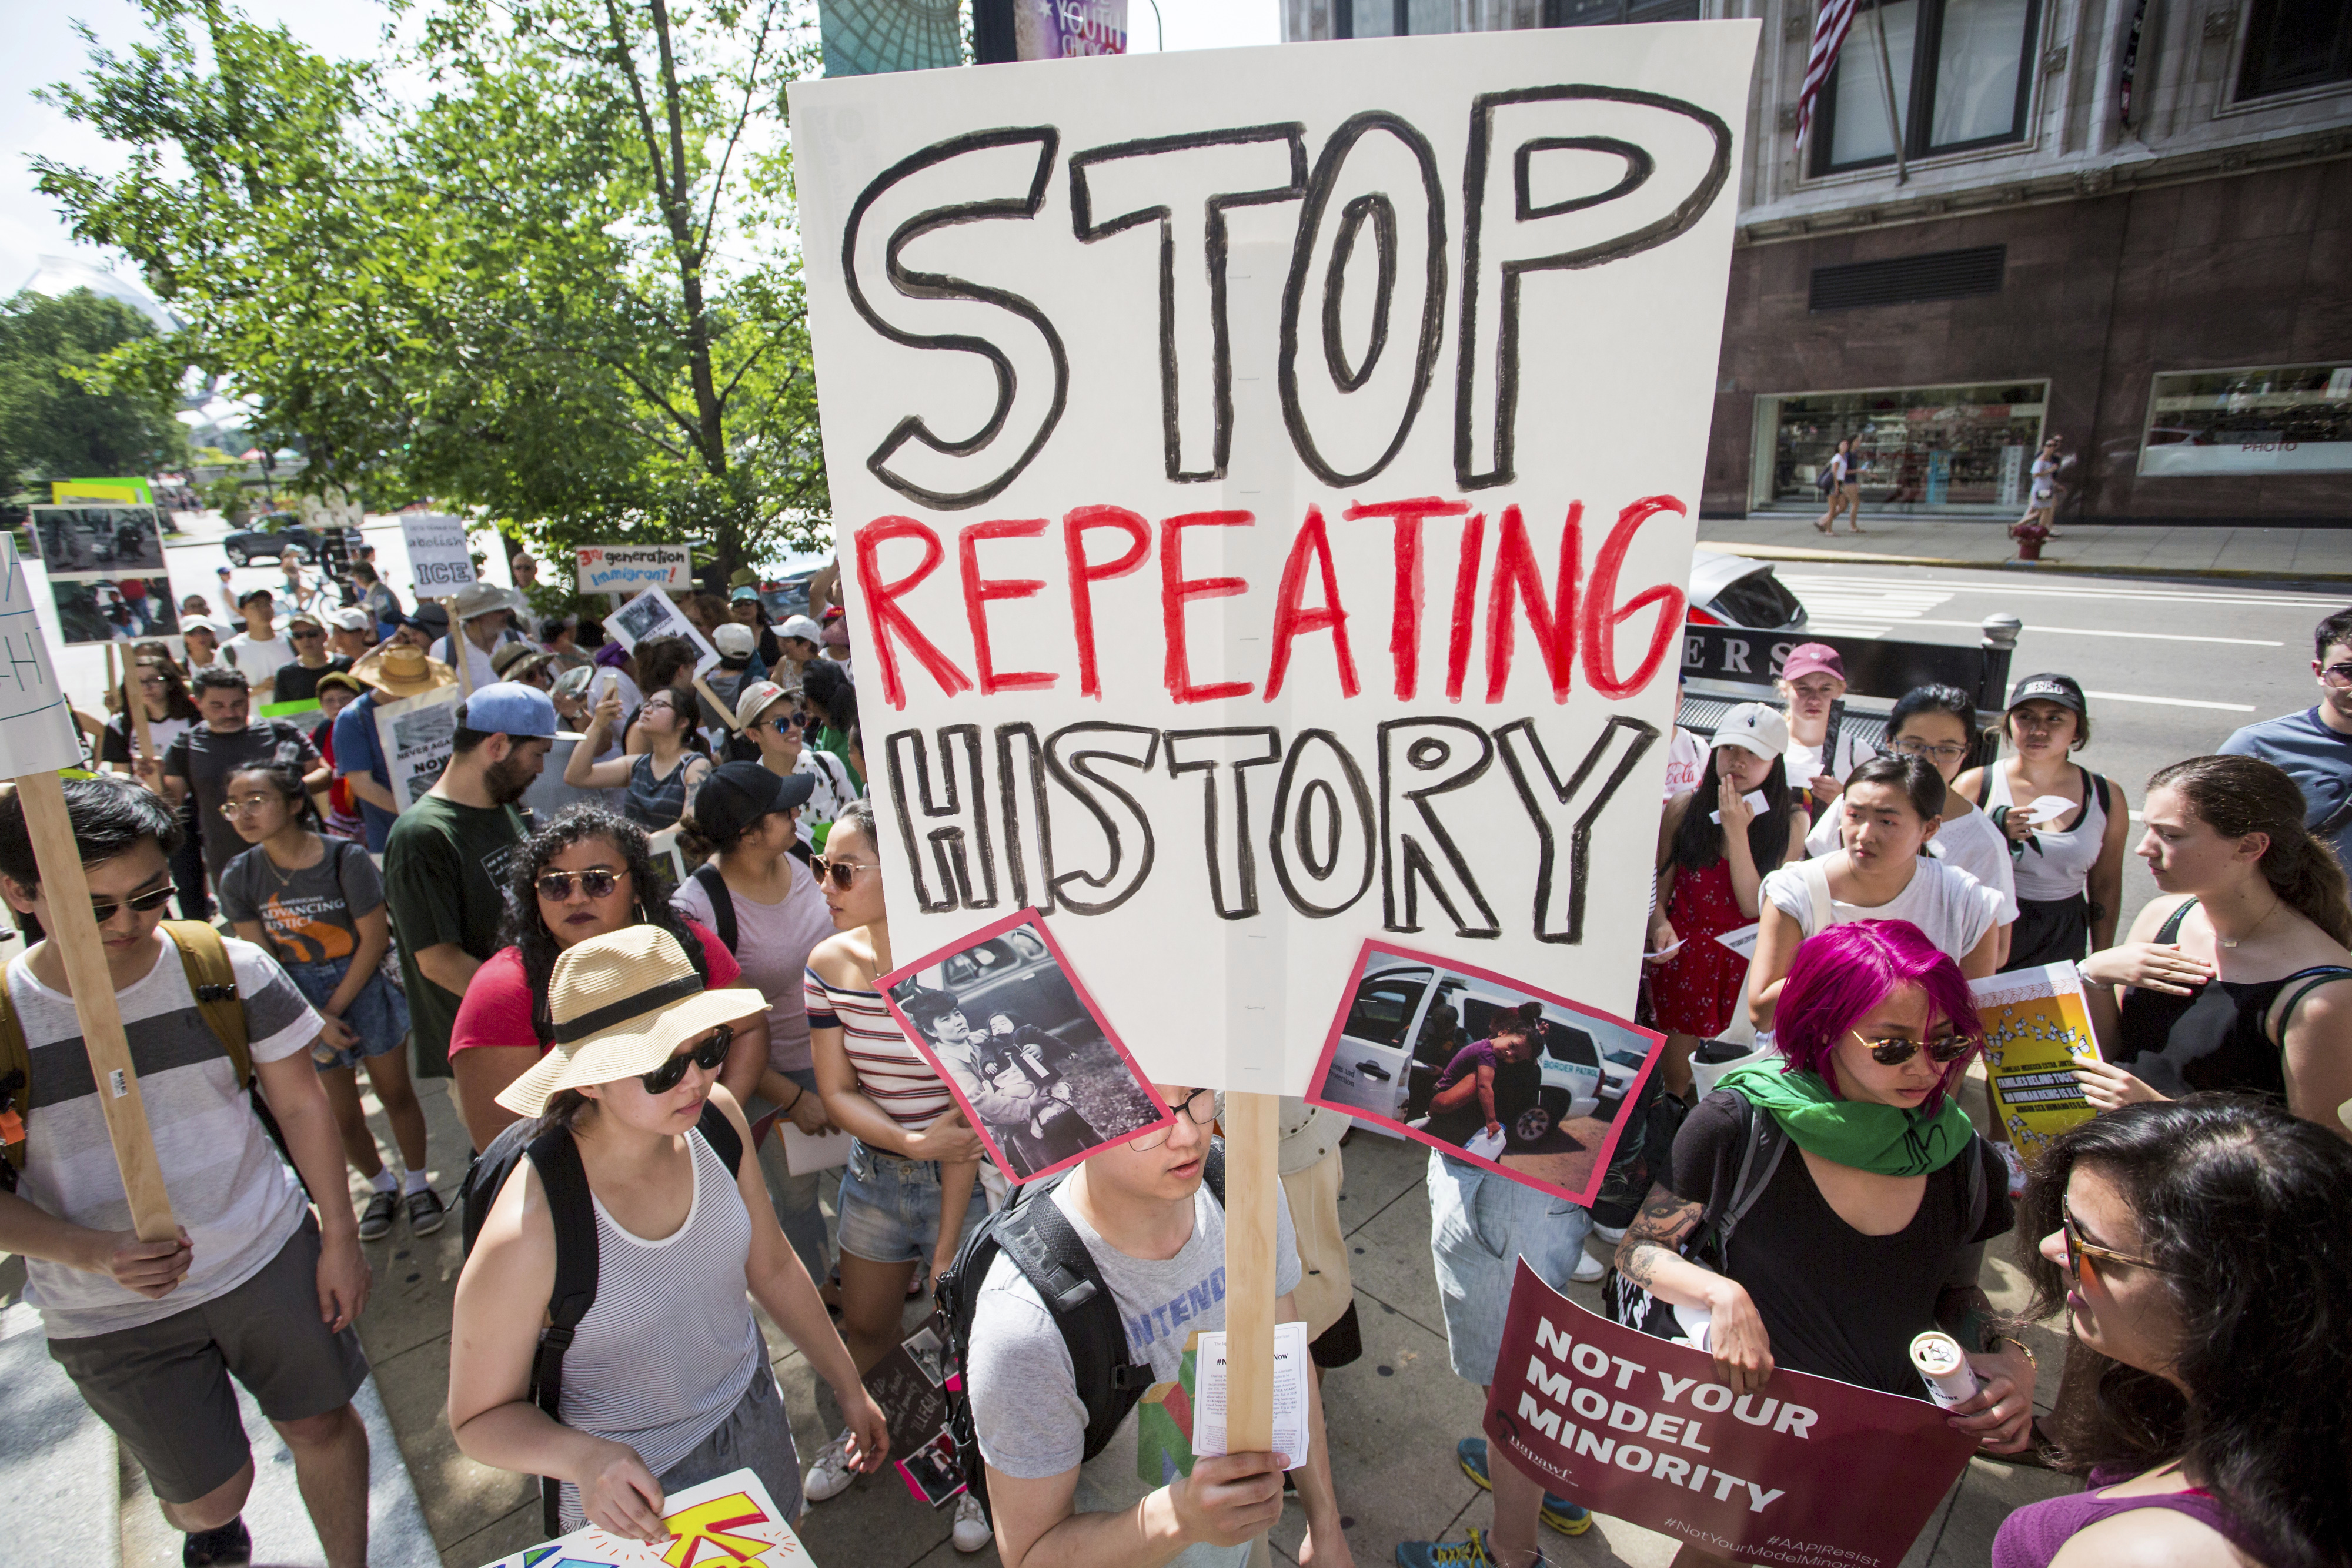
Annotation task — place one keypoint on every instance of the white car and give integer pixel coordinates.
(1374, 1069)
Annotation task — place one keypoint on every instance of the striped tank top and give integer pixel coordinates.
(889, 1073)
(670, 1346)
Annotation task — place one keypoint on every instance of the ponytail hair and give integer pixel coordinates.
(2235, 796)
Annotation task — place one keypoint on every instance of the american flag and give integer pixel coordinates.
(1830, 29)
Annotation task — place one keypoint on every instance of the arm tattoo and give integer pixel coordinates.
(1654, 1235)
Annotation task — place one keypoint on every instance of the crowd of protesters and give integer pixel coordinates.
(636, 983)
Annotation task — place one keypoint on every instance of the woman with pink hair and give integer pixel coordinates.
(1862, 1236)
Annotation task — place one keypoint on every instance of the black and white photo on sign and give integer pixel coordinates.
(1043, 1078)
(115, 609)
(111, 541)
(654, 613)
(932, 1472)
(923, 1346)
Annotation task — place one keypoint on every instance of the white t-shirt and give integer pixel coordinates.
(1952, 907)
(833, 792)
(772, 941)
(477, 663)
(1024, 1393)
(238, 1199)
(1686, 760)
(1971, 842)
(1800, 762)
(257, 661)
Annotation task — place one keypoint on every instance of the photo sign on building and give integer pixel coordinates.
(1264, 484)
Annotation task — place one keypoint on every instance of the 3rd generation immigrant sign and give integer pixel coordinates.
(1265, 482)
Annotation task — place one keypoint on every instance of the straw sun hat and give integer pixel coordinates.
(622, 1003)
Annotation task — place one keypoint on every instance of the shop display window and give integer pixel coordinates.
(2277, 419)
(1951, 448)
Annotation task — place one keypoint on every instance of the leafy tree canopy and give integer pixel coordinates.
(62, 416)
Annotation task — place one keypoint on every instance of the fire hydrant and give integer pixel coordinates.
(2029, 537)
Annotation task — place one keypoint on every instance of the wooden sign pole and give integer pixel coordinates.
(75, 932)
(1252, 1177)
(459, 653)
(142, 744)
(726, 709)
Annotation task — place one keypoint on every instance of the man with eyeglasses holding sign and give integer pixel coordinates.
(2315, 746)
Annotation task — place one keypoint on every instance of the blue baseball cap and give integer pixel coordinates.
(510, 708)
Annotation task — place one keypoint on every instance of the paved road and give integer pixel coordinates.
(2170, 668)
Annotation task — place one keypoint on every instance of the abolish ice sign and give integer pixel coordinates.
(1263, 482)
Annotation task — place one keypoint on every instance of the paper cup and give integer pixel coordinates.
(1951, 1379)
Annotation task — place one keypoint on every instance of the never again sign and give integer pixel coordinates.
(1264, 482)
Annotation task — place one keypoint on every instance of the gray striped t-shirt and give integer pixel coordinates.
(229, 1188)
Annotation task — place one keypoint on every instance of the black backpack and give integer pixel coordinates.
(722, 903)
(1043, 1244)
(575, 1215)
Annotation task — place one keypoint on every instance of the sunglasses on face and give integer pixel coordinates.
(2080, 1252)
(1202, 1108)
(707, 1056)
(2337, 675)
(105, 909)
(843, 873)
(1894, 1052)
(305, 634)
(596, 882)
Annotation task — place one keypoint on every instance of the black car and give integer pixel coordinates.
(275, 534)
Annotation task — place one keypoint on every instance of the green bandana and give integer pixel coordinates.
(1867, 1136)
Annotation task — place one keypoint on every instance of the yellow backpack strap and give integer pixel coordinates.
(213, 980)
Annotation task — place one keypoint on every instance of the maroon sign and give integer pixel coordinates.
(1811, 1471)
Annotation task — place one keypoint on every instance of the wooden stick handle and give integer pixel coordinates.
(1252, 1177)
(726, 710)
(142, 744)
(67, 891)
(459, 656)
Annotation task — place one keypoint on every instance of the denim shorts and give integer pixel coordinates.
(378, 1015)
(890, 1207)
(1480, 1226)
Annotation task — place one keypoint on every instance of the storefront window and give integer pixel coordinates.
(1965, 448)
(2282, 419)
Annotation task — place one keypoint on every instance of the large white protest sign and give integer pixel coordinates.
(438, 558)
(654, 613)
(36, 726)
(628, 568)
(1263, 482)
(416, 734)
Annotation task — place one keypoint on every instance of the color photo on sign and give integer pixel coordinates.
(1039, 1074)
(1487, 1067)
(1810, 1471)
(115, 609)
(105, 565)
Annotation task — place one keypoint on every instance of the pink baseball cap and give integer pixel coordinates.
(1813, 658)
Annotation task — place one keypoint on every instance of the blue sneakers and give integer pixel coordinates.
(1470, 1553)
(1562, 1515)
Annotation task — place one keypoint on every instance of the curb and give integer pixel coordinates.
(2058, 567)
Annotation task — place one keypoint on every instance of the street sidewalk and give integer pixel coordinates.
(2106, 550)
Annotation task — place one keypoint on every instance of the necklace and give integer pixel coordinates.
(2265, 920)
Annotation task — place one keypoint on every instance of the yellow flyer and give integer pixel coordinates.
(2037, 1026)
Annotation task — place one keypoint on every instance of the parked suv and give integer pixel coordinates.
(276, 533)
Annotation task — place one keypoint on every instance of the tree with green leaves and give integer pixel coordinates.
(559, 288)
(63, 413)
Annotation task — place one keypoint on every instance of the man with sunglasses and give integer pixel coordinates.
(1158, 1238)
(253, 1286)
(298, 682)
(201, 760)
(445, 862)
(2315, 746)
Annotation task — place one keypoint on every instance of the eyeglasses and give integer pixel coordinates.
(105, 909)
(1188, 1107)
(245, 805)
(1950, 752)
(596, 882)
(306, 635)
(2080, 1252)
(843, 873)
(154, 682)
(2337, 676)
(708, 1056)
(1894, 1053)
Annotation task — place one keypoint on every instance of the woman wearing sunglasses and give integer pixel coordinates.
(587, 875)
(1861, 1238)
(665, 1382)
(2203, 1251)
(774, 721)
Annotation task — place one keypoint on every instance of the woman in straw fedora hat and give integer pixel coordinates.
(665, 1382)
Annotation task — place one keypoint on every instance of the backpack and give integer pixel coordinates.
(722, 903)
(574, 1214)
(211, 981)
(1043, 1244)
(1624, 1301)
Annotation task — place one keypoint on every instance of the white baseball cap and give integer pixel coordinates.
(800, 626)
(1752, 727)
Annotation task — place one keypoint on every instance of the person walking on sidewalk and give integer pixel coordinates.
(1845, 489)
(2315, 746)
(254, 1286)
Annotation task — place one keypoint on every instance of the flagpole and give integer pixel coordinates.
(1886, 81)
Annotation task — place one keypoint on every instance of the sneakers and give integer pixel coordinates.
(1588, 1269)
(218, 1548)
(972, 1532)
(375, 1219)
(1470, 1553)
(1612, 1234)
(427, 1213)
(1562, 1515)
(831, 1475)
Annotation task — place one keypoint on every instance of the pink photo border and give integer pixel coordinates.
(1608, 1149)
(922, 1046)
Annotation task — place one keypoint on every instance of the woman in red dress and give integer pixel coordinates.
(1715, 849)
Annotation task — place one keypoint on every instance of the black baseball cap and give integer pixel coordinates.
(2064, 690)
(739, 793)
